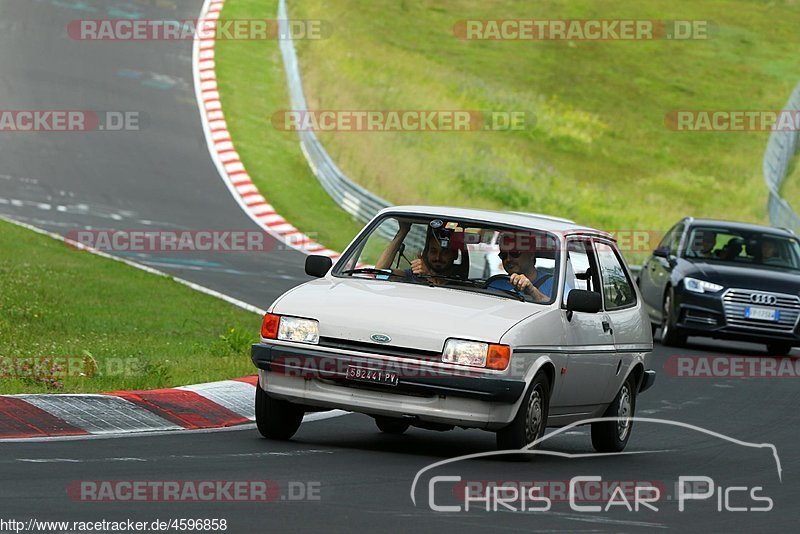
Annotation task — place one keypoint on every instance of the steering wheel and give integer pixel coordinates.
(495, 278)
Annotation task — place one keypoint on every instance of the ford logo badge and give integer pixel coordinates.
(381, 338)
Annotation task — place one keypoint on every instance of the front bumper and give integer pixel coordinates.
(318, 378)
(702, 314)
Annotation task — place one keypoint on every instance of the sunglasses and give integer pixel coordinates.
(514, 254)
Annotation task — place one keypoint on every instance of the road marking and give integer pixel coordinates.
(297, 452)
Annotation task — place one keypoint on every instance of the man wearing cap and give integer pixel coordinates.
(436, 260)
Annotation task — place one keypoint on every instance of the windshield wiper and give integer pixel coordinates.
(369, 270)
(473, 283)
(511, 294)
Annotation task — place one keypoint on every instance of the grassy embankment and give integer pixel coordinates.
(121, 327)
(599, 151)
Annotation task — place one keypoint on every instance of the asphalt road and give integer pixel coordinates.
(157, 178)
(162, 177)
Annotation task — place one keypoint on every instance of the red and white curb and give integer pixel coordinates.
(212, 405)
(222, 150)
(221, 404)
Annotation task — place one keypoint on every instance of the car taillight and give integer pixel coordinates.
(269, 327)
(498, 357)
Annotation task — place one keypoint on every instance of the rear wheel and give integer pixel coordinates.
(391, 425)
(778, 349)
(531, 420)
(671, 335)
(612, 436)
(276, 419)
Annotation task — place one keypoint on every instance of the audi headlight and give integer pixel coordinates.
(299, 330)
(476, 354)
(700, 286)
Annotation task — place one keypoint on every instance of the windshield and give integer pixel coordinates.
(442, 252)
(743, 248)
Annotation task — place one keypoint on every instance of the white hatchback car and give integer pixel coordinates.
(407, 329)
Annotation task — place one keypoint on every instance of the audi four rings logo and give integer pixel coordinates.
(761, 298)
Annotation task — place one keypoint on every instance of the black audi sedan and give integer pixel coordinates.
(724, 280)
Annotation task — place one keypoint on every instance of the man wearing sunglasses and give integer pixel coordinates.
(521, 267)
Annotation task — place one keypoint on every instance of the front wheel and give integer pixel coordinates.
(671, 335)
(779, 349)
(531, 420)
(276, 419)
(390, 425)
(612, 436)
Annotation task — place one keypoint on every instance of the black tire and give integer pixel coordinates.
(612, 436)
(391, 425)
(276, 419)
(531, 419)
(671, 335)
(778, 348)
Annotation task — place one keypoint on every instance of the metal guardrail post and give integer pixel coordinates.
(781, 149)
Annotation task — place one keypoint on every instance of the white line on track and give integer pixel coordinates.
(310, 418)
(298, 452)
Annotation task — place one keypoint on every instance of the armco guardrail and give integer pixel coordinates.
(352, 198)
(781, 149)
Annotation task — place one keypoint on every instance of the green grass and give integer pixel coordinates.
(252, 88)
(63, 306)
(599, 151)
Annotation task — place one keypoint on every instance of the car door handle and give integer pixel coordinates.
(607, 327)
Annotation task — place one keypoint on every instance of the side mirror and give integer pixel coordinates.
(581, 300)
(318, 265)
(664, 252)
(661, 252)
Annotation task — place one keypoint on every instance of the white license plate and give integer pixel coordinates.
(762, 314)
(363, 374)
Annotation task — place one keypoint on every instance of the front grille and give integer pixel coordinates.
(736, 300)
(375, 348)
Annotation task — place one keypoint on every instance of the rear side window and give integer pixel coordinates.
(581, 272)
(617, 289)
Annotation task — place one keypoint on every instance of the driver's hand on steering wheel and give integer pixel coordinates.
(418, 266)
(521, 283)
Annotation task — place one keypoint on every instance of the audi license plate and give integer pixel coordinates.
(762, 314)
(375, 376)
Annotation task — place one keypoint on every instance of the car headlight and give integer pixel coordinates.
(476, 354)
(700, 286)
(298, 330)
